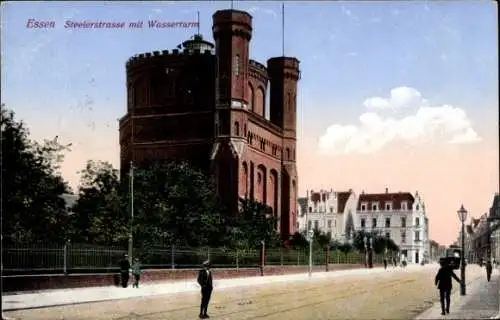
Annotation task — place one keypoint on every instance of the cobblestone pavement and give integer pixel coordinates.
(381, 296)
(480, 302)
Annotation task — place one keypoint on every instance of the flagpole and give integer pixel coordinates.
(131, 236)
(198, 20)
(283, 28)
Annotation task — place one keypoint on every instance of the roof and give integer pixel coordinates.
(342, 198)
(381, 198)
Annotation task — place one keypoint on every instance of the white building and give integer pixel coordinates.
(399, 216)
(327, 211)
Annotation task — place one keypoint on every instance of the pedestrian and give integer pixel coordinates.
(205, 282)
(489, 269)
(136, 272)
(444, 284)
(385, 263)
(124, 270)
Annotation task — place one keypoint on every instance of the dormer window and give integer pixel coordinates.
(374, 207)
(388, 207)
(417, 207)
(404, 206)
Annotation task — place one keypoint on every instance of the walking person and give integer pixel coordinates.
(205, 282)
(385, 263)
(124, 271)
(136, 272)
(444, 284)
(489, 269)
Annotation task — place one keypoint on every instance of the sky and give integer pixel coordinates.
(398, 95)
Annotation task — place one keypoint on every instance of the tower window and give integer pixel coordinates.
(236, 65)
(237, 128)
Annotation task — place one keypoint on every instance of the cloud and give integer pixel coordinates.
(428, 124)
(255, 10)
(399, 98)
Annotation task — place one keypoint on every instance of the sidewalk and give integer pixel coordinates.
(84, 295)
(481, 301)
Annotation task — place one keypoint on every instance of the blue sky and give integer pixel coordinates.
(348, 51)
(71, 83)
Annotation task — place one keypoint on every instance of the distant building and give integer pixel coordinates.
(327, 211)
(400, 216)
(495, 227)
(434, 251)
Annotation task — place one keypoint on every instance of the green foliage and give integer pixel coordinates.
(175, 204)
(298, 241)
(31, 186)
(380, 243)
(100, 212)
(255, 223)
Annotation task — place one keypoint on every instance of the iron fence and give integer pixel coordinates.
(78, 258)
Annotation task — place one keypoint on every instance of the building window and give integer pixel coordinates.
(374, 222)
(388, 235)
(329, 224)
(417, 207)
(403, 222)
(363, 223)
(374, 207)
(259, 178)
(287, 154)
(310, 209)
(388, 206)
(403, 236)
(236, 65)
(309, 225)
(363, 207)
(403, 206)
(335, 222)
(237, 128)
(417, 222)
(331, 209)
(387, 222)
(417, 236)
(316, 224)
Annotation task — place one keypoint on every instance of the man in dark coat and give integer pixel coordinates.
(489, 269)
(444, 283)
(205, 282)
(124, 270)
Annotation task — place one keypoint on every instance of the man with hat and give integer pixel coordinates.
(205, 282)
(124, 270)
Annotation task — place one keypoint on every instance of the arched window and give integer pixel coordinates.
(237, 128)
(288, 153)
(236, 65)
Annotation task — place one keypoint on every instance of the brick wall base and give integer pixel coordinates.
(50, 282)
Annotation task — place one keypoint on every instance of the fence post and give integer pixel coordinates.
(281, 256)
(172, 258)
(298, 257)
(208, 254)
(327, 257)
(237, 261)
(65, 258)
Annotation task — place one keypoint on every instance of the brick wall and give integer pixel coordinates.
(47, 282)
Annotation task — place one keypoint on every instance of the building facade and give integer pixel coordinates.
(207, 104)
(400, 216)
(327, 211)
(494, 224)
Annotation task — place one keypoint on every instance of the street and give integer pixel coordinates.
(395, 295)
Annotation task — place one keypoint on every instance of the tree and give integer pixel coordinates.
(379, 242)
(32, 188)
(298, 241)
(175, 204)
(101, 214)
(255, 223)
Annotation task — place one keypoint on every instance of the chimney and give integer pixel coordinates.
(386, 190)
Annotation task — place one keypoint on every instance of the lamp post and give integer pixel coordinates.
(370, 254)
(462, 215)
(311, 236)
(365, 241)
(131, 236)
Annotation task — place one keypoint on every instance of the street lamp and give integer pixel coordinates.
(131, 236)
(462, 215)
(311, 236)
(365, 241)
